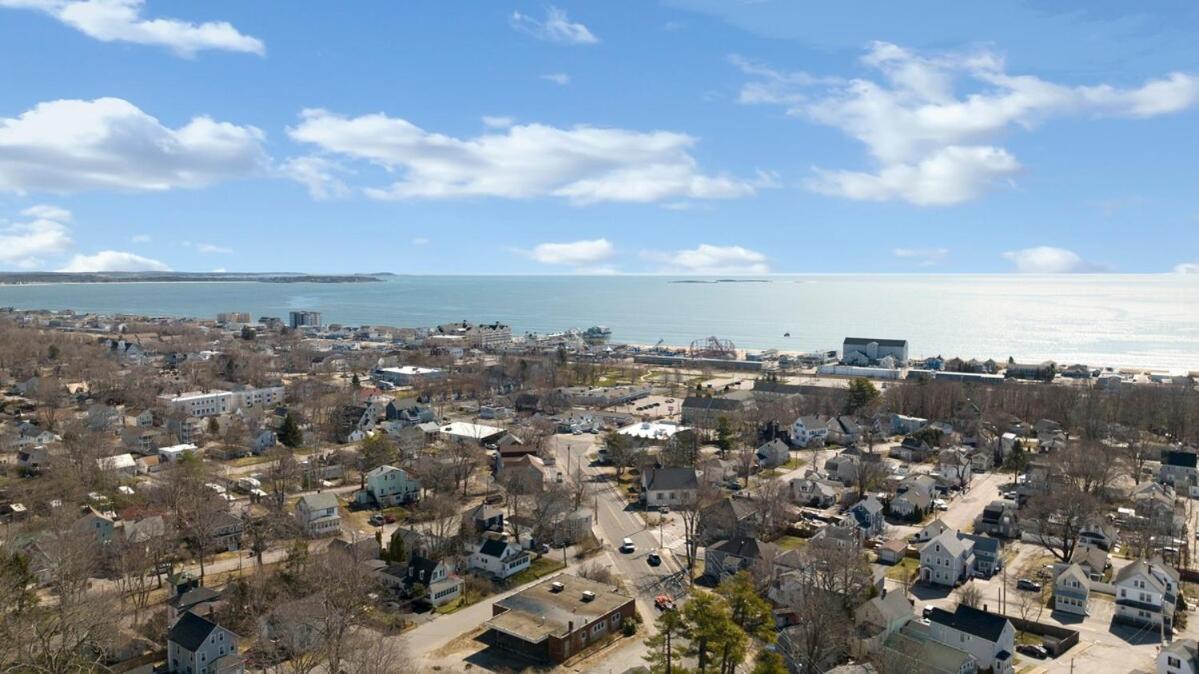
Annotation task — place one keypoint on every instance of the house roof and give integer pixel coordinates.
(982, 624)
(722, 404)
(193, 597)
(934, 528)
(190, 631)
(542, 610)
(863, 341)
(745, 547)
(319, 501)
(1182, 459)
(493, 547)
(890, 607)
(982, 543)
(1186, 650)
(1075, 572)
(949, 540)
(671, 478)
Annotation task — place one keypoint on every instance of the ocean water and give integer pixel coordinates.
(1137, 321)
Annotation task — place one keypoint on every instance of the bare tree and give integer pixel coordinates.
(691, 516)
(969, 595)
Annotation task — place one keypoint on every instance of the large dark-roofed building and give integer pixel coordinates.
(557, 618)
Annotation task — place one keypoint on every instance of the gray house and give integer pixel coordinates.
(196, 645)
(728, 557)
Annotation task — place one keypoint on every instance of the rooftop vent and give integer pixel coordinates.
(556, 586)
(588, 595)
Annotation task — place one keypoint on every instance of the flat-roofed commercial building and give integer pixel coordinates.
(558, 618)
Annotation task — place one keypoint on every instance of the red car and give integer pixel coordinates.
(390, 519)
(664, 603)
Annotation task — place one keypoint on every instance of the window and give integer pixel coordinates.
(1173, 661)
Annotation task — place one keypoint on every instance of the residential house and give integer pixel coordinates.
(988, 637)
(33, 459)
(121, 465)
(528, 474)
(100, 525)
(1180, 657)
(999, 518)
(981, 461)
(946, 560)
(668, 486)
(436, 576)
(726, 558)
(773, 454)
(954, 469)
(868, 351)
(930, 531)
(197, 645)
(318, 515)
(987, 554)
(914, 645)
(880, 617)
(913, 497)
(191, 597)
(1043, 371)
(1179, 469)
(227, 532)
(843, 468)
(891, 552)
(905, 425)
(558, 618)
(843, 430)
(498, 558)
(705, 411)
(815, 491)
(388, 486)
(728, 518)
(485, 518)
(1099, 534)
(809, 431)
(1072, 590)
(868, 516)
(1146, 594)
(1092, 559)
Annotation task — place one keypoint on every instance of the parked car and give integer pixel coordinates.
(664, 603)
(653, 559)
(626, 546)
(927, 612)
(1028, 584)
(390, 519)
(377, 520)
(1033, 651)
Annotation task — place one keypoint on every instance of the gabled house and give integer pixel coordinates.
(668, 486)
(318, 515)
(437, 578)
(773, 454)
(988, 637)
(809, 431)
(843, 430)
(196, 645)
(485, 518)
(1072, 590)
(1146, 594)
(946, 560)
(868, 516)
(1180, 657)
(999, 518)
(727, 518)
(727, 557)
(498, 558)
(843, 468)
(1093, 560)
(879, 618)
(388, 486)
(914, 496)
(1180, 469)
(815, 491)
(987, 554)
(930, 531)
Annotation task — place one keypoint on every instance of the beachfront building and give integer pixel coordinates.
(408, 375)
(200, 404)
(304, 319)
(871, 351)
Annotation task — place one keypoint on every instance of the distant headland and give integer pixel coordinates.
(23, 278)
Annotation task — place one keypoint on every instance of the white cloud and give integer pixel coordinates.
(420, 241)
(70, 145)
(497, 122)
(926, 257)
(575, 253)
(122, 21)
(24, 244)
(709, 259)
(556, 27)
(930, 144)
(318, 174)
(561, 79)
(1187, 268)
(219, 270)
(584, 164)
(1050, 260)
(113, 260)
(209, 249)
(140, 238)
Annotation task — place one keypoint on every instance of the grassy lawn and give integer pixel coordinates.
(1028, 638)
(791, 542)
(904, 569)
(794, 463)
(249, 461)
(542, 566)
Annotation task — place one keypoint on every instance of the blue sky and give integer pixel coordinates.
(683, 136)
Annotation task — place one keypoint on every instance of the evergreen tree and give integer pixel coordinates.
(290, 434)
(861, 394)
(724, 434)
(769, 662)
(747, 608)
(665, 647)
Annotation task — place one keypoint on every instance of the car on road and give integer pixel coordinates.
(653, 559)
(390, 519)
(927, 612)
(626, 546)
(664, 603)
(1033, 651)
(543, 549)
(377, 520)
(1028, 584)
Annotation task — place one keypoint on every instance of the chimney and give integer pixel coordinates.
(984, 607)
(570, 626)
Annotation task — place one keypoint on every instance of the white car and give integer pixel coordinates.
(626, 546)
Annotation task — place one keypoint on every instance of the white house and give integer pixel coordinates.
(1071, 590)
(1146, 594)
(120, 464)
(213, 403)
(175, 452)
(808, 430)
(774, 453)
(318, 515)
(946, 560)
(499, 559)
(408, 375)
(988, 637)
(668, 486)
(1180, 657)
(389, 486)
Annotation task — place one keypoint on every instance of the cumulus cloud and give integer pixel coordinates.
(24, 244)
(122, 21)
(925, 257)
(1050, 260)
(1187, 268)
(709, 259)
(930, 144)
(112, 260)
(109, 143)
(586, 253)
(583, 164)
(318, 174)
(556, 27)
(497, 122)
(561, 79)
